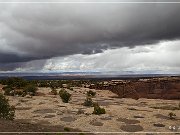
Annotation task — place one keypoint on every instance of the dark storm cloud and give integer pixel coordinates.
(35, 65)
(11, 58)
(41, 31)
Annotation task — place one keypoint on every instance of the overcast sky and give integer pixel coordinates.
(138, 38)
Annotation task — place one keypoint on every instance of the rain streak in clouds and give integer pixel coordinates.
(90, 37)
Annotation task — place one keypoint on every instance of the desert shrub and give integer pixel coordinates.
(65, 96)
(98, 110)
(171, 115)
(30, 89)
(91, 93)
(43, 83)
(66, 129)
(15, 82)
(9, 91)
(53, 91)
(88, 102)
(6, 111)
(61, 91)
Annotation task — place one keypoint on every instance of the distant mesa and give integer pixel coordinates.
(152, 88)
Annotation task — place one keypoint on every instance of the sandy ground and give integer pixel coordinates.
(122, 115)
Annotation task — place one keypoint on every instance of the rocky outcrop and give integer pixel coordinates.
(154, 88)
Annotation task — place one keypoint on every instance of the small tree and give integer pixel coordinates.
(98, 110)
(88, 102)
(65, 96)
(6, 111)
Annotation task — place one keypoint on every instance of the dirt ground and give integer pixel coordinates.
(122, 114)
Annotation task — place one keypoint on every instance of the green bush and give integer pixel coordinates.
(6, 111)
(15, 82)
(98, 110)
(9, 91)
(65, 96)
(88, 102)
(30, 89)
(91, 93)
(61, 91)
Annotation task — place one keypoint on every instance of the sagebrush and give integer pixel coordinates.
(65, 96)
(6, 111)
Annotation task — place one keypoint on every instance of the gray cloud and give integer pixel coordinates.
(160, 58)
(42, 31)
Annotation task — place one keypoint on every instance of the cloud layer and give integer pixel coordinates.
(38, 32)
(159, 58)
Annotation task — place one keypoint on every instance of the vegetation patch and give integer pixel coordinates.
(15, 82)
(65, 96)
(30, 89)
(9, 91)
(98, 110)
(18, 87)
(88, 102)
(6, 111)
(91, 93)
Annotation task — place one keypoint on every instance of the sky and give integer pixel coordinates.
(89, 36)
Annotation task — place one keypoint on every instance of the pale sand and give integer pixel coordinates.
(50, 110)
